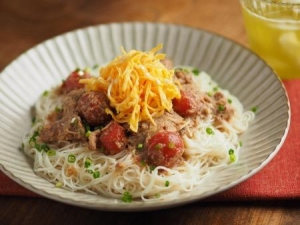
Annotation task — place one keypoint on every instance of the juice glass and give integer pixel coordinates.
(273, 32)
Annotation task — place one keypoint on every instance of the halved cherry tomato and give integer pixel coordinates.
(165, 148)
(188, 104)
(72, 81)
(112, 138)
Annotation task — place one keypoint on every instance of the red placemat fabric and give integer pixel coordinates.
(280, 179)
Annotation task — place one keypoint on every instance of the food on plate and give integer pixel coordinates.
(139, 128)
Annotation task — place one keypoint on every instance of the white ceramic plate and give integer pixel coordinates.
(232, 66)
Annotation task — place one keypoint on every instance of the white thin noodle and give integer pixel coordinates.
(204, 155)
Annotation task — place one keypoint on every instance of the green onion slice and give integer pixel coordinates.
(140, 146)
(231, 152)
(232, 156)
(254, 109)
(167, 183)
(45, 93)
(58, 185)
(88, 133)
(196, 71)
(209, 131)
(87, 163)
(171, 145)
(127, 197)
(51, 152)
(221, 108)
(71, 158)
(96, 174)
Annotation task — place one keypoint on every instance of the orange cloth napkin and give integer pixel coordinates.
(280, 179)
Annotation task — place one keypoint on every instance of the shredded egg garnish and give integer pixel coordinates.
(138, 86)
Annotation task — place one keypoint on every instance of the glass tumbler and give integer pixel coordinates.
(273, 32)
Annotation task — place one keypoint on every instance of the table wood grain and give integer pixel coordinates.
(25, 24)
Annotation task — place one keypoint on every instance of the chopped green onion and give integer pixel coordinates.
(90, 171)
(96, 174)
(33, 120)
(209, 131)
(45, 93)
(167, 183)
(58, 184)
(35, 134)
(39, 147)
(229, 101)
(44, 147)
(127, 197)
(241, 143)
(152, 168)
(71, 158)
(171, 145)
(254, 109)
(158, 146)
(232, 156)
(209, 94)
(215, 89)
(40, 128)
(86, 70)
(140, 146)
(31, 142)
(87, 163)
(95, 66)
(157, 195)
(143, 163)
(88, 133)
(57, 109)
(195, 72)
(221, 108)
(51, 152)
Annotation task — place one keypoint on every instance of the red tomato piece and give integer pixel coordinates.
(112, 138)
(72, 81)
(188, 104)
(165, 148)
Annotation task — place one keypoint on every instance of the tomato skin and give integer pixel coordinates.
(72, 81)
(165, 148)
(112, 138)
(188, 104)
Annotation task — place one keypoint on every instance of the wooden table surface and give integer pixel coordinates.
(27, 23)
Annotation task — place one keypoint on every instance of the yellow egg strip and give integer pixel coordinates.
(138, 86)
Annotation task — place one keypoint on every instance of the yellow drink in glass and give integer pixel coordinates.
(273, 30)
